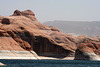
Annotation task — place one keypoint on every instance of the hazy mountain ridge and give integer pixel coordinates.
(89, 28)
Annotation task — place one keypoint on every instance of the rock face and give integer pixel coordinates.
(88, 50)
(22, 31)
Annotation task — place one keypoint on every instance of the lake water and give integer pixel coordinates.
(50, 63)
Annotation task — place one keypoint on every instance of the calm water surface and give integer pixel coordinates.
(50, 63)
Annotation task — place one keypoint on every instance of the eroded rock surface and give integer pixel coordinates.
(88, 50)
(22, 31)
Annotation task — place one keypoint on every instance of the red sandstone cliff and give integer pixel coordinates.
(22, 31)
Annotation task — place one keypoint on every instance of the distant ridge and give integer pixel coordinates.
(89, 28)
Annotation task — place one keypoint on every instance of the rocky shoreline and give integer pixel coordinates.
(9, 54)
(22, 36)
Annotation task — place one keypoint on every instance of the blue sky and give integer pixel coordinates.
(49, 10)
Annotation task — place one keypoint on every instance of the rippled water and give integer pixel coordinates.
(50, 63)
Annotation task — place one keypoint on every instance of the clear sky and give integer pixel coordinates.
(49, 10)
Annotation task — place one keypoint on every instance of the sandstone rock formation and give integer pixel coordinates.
(27, 13)
(22, 31)
(88, 50)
